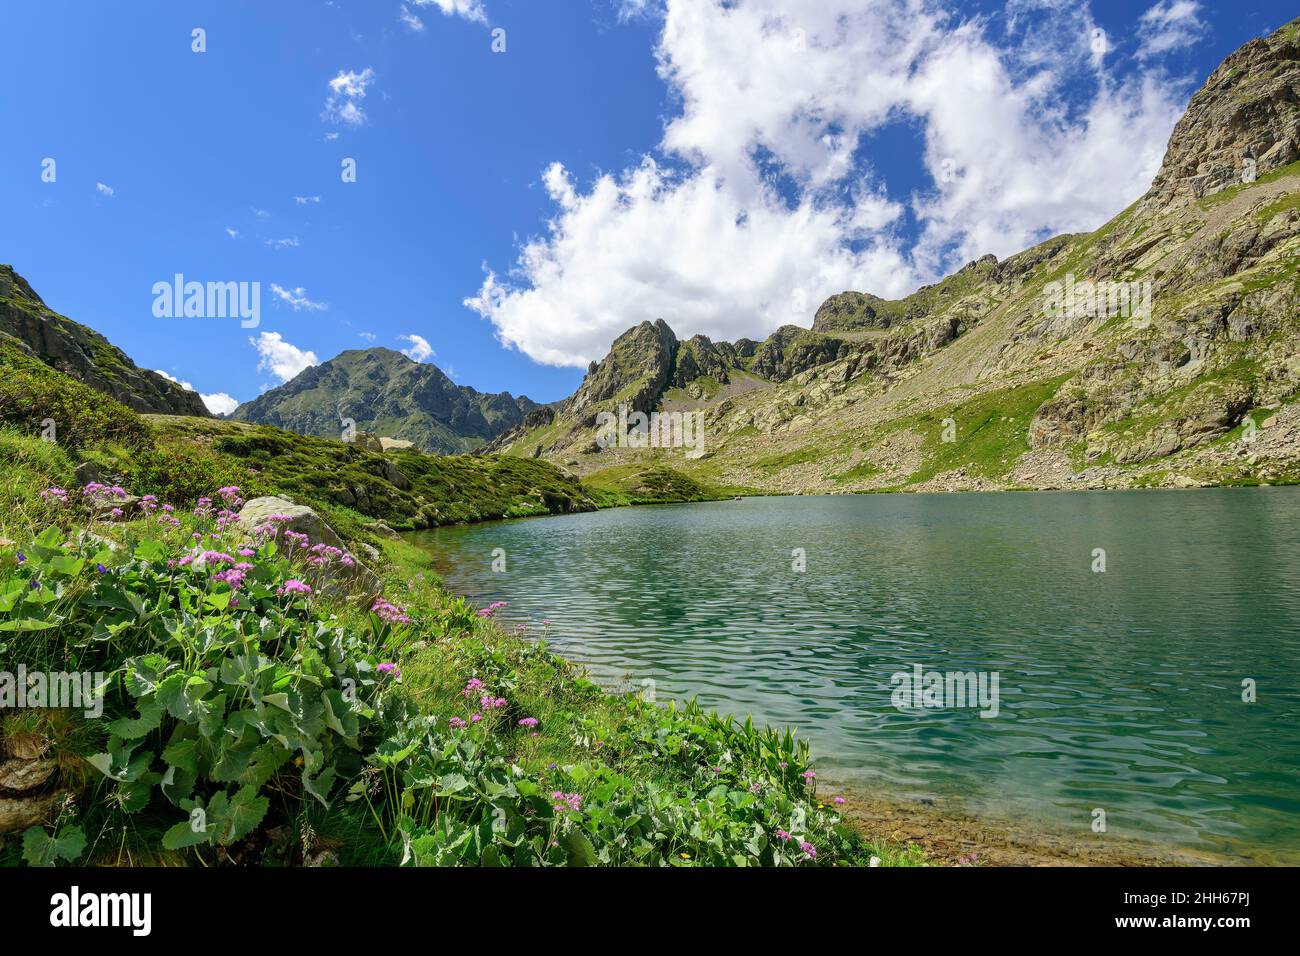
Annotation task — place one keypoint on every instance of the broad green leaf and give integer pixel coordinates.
(64, 564)
(131, 728)
(245, 812)
(41, 849)
(150, 550)
(183, 755)
(579, 848)
(183, 835)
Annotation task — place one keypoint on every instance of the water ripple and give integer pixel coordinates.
(1119, 690)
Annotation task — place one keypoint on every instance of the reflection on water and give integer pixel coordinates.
(1119, 690)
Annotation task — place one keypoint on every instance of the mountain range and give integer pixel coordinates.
(1161, 349)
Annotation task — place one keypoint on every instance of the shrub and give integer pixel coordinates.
(31, 392)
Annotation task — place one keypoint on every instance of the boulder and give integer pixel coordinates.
(306, 521)
(395, 444)
(19, 813)
(395, 477)
(23, 802)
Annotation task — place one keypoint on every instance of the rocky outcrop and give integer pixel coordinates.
(1244, 122)
(31, 789)
(791, 350)
(84, 354)
(700, 357)
(635, 371)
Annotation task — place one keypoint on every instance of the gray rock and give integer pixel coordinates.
(394, 476)
(306, 521)
(25, 775)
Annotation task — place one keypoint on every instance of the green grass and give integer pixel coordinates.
(991, 431)
(862, 470)
(352, 485)
(29, 466)
(648, 483)
(1285, 204)
(32, 394)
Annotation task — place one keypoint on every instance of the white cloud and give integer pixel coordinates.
(261, 213)
(297, 298)
(410, 20)
(232, 232)
(331, 136)
(347, 90)
(279, 357)
(105, 190)
(469, 9)
(304, 200)
(420, 350)
(368, 336)
(218, 403)
(289, 243)
(1170, 25)
(765, 200)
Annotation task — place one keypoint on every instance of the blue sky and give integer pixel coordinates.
(724, 166)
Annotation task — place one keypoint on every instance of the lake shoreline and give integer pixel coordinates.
(950, 835)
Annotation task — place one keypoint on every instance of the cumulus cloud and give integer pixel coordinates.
(232, 232)
(1170, 25)
(218, 403)
(420, 349)
(469, 9)
(105, 190)
(368, 336)
(297, 299)
(762, 198)
(280, 358)
(304, 200)
(288, 243)
(347, 91)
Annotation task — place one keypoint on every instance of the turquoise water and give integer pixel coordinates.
(1118, 690)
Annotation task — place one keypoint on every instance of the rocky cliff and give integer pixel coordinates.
(84, 354)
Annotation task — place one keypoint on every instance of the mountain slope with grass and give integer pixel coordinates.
(386, 393)
(1043, 370)
(28, 325)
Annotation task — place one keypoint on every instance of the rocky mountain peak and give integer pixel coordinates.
(636, 369)
(1244, 122)
(385, 392)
